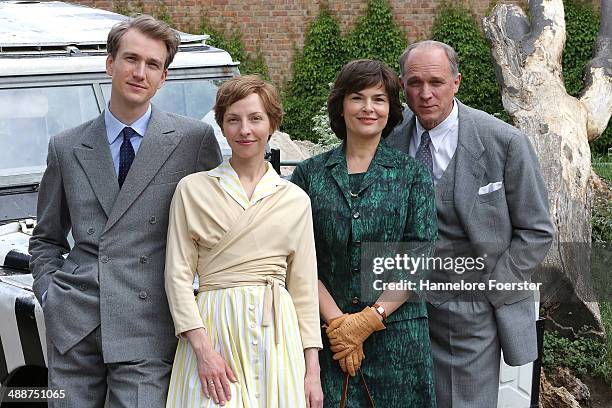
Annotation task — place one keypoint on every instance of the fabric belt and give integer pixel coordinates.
(271, 306)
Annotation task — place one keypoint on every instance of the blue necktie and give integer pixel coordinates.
(126, 155)
(423, 153)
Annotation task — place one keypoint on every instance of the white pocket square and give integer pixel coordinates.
(489, 188)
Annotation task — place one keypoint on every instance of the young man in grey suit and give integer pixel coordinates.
(110, 181)
(490, 199)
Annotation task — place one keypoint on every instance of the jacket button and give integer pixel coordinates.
(355, 270)
(153, 220)
(143, 294)
(356, 215)
(83, 286)
(104, 259)
(357, 243)
(144, 259)
(355, 300)
(91, 231)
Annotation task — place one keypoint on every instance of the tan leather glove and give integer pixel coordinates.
(352, 362)
(352, 331)
(335, 323)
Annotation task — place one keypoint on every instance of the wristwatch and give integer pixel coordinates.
(380, 310)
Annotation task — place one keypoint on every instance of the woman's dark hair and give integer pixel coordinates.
(356, 76)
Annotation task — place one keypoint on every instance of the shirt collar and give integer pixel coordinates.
(230, 182)
(114, 126)
(438, 134)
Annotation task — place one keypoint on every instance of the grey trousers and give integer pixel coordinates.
(466, 353)
(86, 379)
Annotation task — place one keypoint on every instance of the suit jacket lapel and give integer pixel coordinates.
(469, 169)
(158, 143)
(95, 158)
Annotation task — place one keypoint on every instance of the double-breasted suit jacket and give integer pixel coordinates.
(113, 276)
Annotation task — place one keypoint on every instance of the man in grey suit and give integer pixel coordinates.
(110, 182)
(490, 199)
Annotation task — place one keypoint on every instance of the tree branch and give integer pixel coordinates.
(597, 94)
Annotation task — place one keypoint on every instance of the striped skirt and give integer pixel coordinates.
(269, 375)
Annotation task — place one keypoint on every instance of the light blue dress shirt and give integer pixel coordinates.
(114, 127)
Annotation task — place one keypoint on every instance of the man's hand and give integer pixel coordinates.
(215, 375)
(352, 331)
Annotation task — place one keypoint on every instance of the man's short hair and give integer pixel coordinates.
(356, 76)
(239, 88)
(451, 54)
(149, 26)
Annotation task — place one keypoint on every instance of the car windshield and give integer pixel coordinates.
(29, 117)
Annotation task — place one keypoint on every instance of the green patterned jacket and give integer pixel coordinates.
(395, 203)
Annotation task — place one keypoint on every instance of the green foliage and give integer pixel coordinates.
(582, 24)
(234, 44)
(606, 316)
(582, 356)
(602, 166)
(121, 7)
(457, 27)
(376, 36)
(128, 8)
(314, 68)
(322, 130)
(162, 13)
(601, 218)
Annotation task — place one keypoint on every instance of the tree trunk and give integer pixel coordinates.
(527, 54)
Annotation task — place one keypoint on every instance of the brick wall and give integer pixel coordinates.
(277, 26)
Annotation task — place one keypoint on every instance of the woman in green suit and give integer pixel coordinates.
(364, 191)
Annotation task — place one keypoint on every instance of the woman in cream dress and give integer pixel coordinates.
(250, 338)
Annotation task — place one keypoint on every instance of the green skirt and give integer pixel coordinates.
(398, 369)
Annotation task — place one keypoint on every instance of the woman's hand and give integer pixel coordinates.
(354, 329)
(213, 371)
(351, 362)
(313, 391)
(312, 379)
